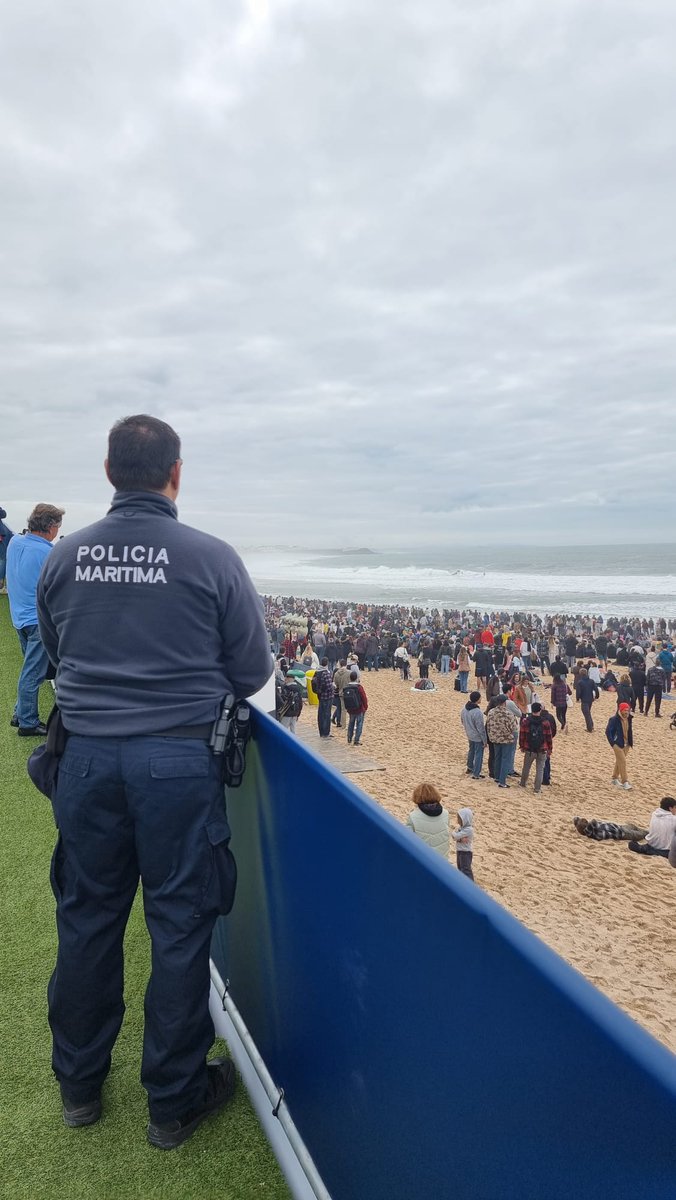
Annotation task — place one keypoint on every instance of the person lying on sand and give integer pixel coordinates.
(603, 831)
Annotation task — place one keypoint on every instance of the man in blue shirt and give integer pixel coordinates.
(26, 554)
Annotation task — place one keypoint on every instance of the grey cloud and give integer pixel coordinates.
(431, 245)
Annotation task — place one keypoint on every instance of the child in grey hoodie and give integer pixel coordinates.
(464, 841)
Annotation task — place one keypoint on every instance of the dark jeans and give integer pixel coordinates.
(644, 848)
(586, 713)
(324, 716)
(502, 759)
(653, 690)
(640, 697)
(337, 711)
(32, 676)
(463, 859)
(372, 661)
(355, 726)
(463, 676)
(561, 714)
(127, 807)
(475, 758)
(423, 670)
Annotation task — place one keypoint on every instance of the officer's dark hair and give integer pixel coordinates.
(141, 452)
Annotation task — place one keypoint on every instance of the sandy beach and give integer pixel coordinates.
(606, 910)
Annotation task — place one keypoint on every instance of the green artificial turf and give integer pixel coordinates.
(228, 1157)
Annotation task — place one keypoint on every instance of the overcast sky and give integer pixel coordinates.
(396, 271)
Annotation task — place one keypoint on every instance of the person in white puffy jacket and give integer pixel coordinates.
(429, 819)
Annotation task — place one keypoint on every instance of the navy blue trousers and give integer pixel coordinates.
(127, 808)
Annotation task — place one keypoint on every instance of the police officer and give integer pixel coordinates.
(150, 624)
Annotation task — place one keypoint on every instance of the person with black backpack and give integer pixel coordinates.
(289, 703)
(356, 704)
(535, 739)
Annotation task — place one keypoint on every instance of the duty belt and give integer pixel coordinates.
(185, 731)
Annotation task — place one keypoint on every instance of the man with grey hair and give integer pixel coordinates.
(26, 555)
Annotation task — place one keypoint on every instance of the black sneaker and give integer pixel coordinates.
(221, 1077)
(14, 722)
(78, 1112)
(38, 730)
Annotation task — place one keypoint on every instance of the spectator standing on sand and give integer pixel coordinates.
(559, 693)
(341, 677)
(463, 837)
(586, 691)
(661, 832)
(637, 676)
(535, 740)
(463, 668)
(518, 694)
(322, 683)
(356, 704)
(501, 725)
(424, 659)
(655, 683)
(290, 703)
(558, 667)
(621, 738)
(665, 660)
(548, 718)
(516, 712)
(372, 652)
(401, 660)
(429, 819)
(474, 725)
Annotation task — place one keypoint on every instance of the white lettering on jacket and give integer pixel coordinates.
(108, 555)
(112, 572)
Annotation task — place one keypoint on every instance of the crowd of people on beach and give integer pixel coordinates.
(518, 660)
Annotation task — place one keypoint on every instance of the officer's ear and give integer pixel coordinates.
(175, 475)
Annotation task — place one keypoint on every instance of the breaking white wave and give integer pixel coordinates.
(650, 595)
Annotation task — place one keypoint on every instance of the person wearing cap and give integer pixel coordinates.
(620, 737)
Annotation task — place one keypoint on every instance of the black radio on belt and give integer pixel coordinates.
(229, 737)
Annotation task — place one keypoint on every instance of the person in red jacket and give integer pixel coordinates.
(356, 721)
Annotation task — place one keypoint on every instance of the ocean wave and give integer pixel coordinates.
(421, 579)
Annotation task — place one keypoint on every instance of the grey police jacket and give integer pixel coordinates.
(149, 622)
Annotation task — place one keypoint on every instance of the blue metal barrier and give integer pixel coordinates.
(428, 1044)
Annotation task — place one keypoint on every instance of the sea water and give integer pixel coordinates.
(603, 580)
